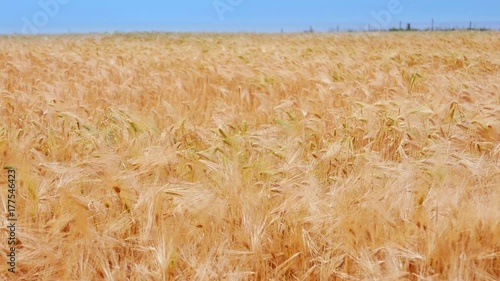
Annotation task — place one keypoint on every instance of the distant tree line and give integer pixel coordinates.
(409, 27)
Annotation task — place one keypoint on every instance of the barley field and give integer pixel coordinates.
(252, 157)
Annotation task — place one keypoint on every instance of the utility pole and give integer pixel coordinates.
(470, 25)
(432, 25)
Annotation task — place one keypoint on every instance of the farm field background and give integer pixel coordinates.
(253, 157)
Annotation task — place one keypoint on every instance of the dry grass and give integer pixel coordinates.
(253, 157)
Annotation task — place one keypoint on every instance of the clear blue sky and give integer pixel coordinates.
(60, 16)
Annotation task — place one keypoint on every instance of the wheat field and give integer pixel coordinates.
(252, 157)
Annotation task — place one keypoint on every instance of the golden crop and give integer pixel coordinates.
(253, 157)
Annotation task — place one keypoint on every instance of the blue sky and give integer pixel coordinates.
(60, 16)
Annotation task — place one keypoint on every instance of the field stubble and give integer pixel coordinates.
(253, 157)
